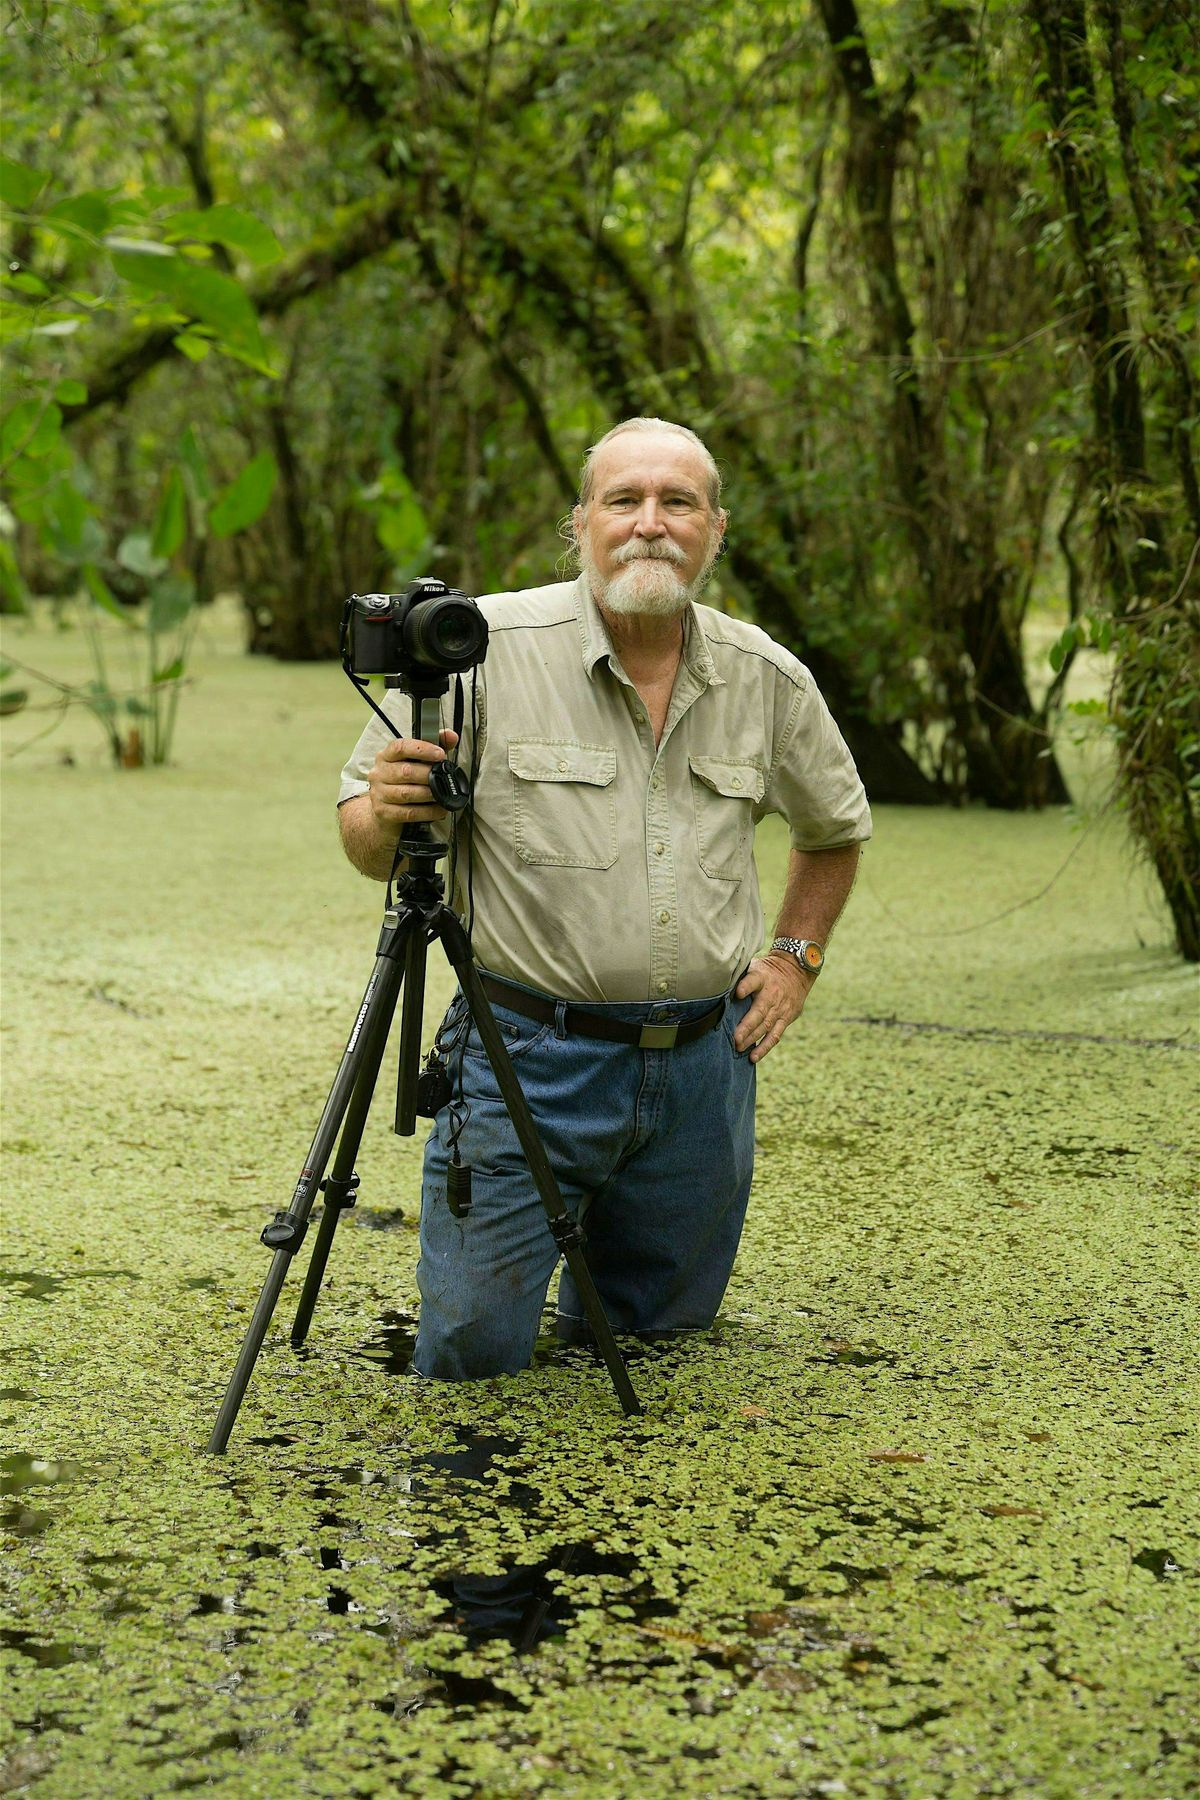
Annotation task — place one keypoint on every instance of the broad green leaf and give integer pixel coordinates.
(12, 583)
(192, 458)
(172, 672)
(12, 700)
(170, 521)
(103, 595)
(204, 293)
(170, 603)
(135, 554)
(138, 254)
(192, 345)
(19, 184)
(221, 303)
(31, 427)
(28, 284)
(230, 226)
(102, 702)
(138, 708)
(90, 213)
(70, 393)
(74, 530)
(245, 499)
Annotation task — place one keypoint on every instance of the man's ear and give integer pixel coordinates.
(577, 521)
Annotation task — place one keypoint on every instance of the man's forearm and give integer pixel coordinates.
(818, 886)
(363, 840)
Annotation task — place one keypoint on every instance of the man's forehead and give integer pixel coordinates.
(645, 458)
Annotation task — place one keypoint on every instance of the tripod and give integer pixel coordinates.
(418, 916)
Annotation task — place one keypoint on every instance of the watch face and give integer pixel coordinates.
(812, 956)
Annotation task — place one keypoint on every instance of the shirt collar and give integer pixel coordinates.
(597, 644)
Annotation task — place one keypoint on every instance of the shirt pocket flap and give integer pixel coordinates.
(534, 760)
(736, 780)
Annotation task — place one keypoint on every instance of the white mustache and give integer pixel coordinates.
(652, 550)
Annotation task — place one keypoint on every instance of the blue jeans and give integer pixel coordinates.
(652, 1149)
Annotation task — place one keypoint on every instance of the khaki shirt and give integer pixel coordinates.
(607, 868)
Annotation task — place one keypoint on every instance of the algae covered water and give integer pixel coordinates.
(919, 1517)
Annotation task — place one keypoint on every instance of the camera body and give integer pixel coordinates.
(413, 638)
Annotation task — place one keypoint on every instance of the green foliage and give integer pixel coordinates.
(151, 268)
(400, 522)
(245, 499)
(507, 227)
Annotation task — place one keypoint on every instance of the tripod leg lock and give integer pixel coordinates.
(567, 1232)
(340, 1194)
(284, 1233)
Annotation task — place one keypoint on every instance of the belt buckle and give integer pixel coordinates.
(658, 1037)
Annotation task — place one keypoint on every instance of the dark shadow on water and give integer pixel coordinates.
(21, 1471)
(390, 1220)
(1160, 1563)
(44, 1287)
(47, 1655)
(391, 1346)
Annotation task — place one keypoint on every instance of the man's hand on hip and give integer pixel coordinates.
(780, 988)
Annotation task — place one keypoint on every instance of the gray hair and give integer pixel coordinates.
(586, 480)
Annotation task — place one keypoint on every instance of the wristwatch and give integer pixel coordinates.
(808, 953)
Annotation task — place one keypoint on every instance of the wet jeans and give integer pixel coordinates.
(653, 1149)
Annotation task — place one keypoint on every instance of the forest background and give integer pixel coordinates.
(301, 299)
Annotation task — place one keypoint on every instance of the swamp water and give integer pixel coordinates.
(919, 1517)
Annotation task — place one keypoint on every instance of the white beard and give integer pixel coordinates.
(648, 583)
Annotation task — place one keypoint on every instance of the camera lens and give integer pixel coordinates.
(448, 632)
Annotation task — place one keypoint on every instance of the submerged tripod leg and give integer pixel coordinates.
(286, 1234)
(566, 1232)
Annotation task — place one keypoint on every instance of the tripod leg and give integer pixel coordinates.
(410, 1032)
(566, 1232)
(286, 1234)
(341, 1183)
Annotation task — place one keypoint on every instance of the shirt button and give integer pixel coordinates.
(659, 848)
(737, 780)
(664, 918)
(662, 986)
(562, 768)
(640, 717)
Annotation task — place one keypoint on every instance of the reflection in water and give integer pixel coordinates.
(518, 1604)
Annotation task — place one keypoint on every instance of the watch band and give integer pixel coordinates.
(807, 951)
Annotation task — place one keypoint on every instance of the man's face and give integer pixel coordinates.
(647, 537)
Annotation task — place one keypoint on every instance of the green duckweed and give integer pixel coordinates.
(919, 1517)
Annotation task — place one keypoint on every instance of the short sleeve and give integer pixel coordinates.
(374, 736)
(813, 782)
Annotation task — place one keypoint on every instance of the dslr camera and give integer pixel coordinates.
(415, 639)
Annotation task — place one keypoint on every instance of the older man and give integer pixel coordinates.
(629, 741)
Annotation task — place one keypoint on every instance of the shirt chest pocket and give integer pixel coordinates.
(725, 794)
(564, 810)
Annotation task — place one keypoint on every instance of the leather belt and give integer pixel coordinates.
(581, 1023)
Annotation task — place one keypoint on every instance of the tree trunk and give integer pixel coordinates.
(1155, 697)
(1003, 748)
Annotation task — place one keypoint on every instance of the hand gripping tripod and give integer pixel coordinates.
(418, 916)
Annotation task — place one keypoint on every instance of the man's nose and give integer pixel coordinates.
(649, 520)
